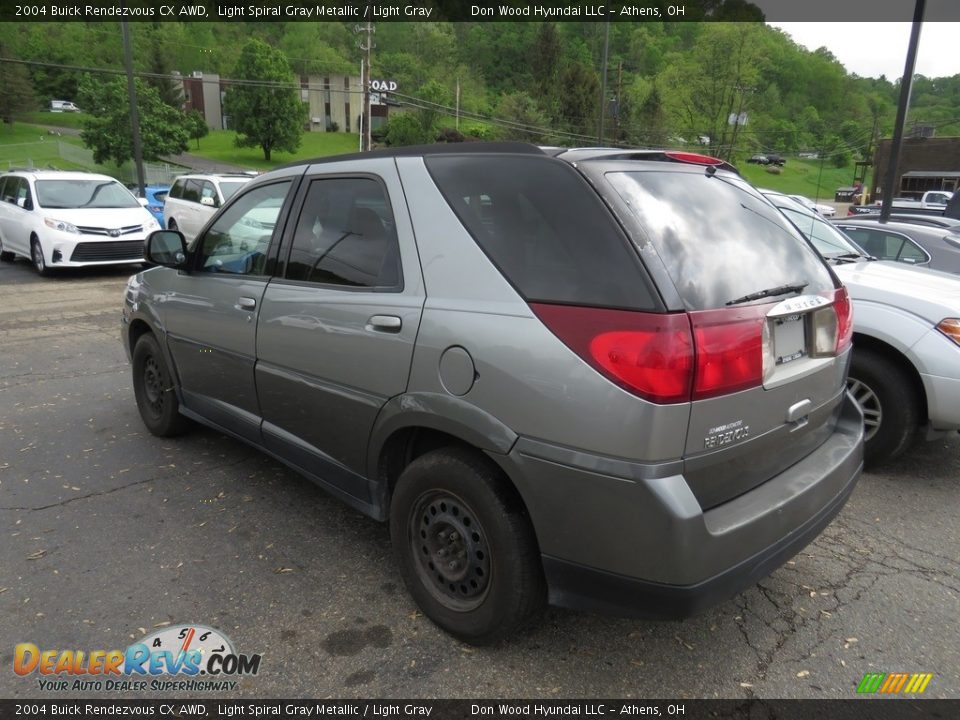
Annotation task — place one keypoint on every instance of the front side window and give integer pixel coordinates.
(239, 240)
(346, 236)
(77, 194)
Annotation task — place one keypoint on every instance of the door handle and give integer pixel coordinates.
(246, 303)
(384, 323)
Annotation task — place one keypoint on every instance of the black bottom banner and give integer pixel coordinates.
(859, 709)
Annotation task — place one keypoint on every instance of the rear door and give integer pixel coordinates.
(211, 311)
(337, 328)
(717, 243)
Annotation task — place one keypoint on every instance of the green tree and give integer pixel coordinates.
(196, 126)
(267, 113)
(432, 94)
(405, 129)
(527, 123)
(580, 97)
(16, 90)
(107, 129)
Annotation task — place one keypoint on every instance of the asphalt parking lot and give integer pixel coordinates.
(110, 533)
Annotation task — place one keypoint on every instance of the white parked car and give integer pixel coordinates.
(69, 219)
(820, 208)
(905, 372)
(193, 200)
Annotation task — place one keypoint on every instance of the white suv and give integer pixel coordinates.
(70, 219)
(194, 199)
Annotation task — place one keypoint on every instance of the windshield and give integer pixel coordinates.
(230, 188)
(84, 194)
(826, 238)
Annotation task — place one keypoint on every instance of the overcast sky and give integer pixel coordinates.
(880, 48)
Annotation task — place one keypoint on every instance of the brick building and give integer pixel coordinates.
(926, 163)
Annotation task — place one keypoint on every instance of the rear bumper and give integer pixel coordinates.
(632, 540)
(585, 588)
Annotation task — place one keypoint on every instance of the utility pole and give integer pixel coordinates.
(134, 115)
(458, 103)
(906, 86)
(616, 118)
(366, 45)
(603, 80)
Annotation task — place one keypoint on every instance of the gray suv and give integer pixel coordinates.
(603, 379)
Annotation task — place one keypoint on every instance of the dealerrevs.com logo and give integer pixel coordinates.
(182, 657)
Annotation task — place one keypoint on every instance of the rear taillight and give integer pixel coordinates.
(665, 358)
(649, 354)
(844, 309)
(729, 349)
(833, 324)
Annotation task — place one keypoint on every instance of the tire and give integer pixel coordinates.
(36, 257)
(889, 402)
(171, 224)
(454, 506)
(153, 387)
(5, 255)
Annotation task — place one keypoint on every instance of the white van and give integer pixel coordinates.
(63, 106)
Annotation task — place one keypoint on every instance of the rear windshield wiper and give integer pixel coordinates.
(850, 257)
(769, 292)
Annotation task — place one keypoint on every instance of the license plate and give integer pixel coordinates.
(789, 338)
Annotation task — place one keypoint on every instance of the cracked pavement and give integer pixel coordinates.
(110, 532)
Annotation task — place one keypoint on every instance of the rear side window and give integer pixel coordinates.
(718, 239)
(346, 236)
(545, 229)
(177, 190)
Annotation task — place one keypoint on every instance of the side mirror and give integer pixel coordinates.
(167, 248)
(143, 201)
(208, 201)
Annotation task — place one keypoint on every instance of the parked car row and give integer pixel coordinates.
(62, 219)
(69, 219)
(905, 373)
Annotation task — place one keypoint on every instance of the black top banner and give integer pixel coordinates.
(854, 11)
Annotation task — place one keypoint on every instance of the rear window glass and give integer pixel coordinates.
(545, 228)
(717, 237)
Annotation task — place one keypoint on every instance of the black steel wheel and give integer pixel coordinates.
(154, 391)
(453, 560)
(465, 546)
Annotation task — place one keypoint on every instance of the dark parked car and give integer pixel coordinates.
(908, 242)
(758, 160)
(521, 360)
